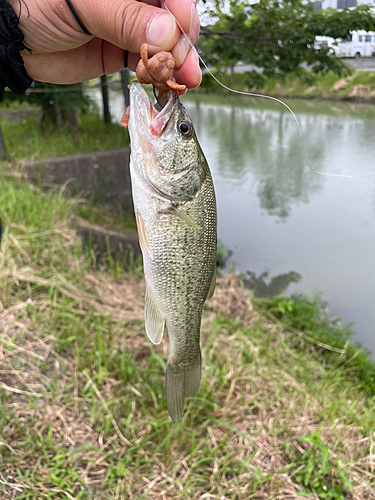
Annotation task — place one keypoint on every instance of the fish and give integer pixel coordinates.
(175, 209)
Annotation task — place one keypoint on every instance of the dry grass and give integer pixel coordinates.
(240, 441)
(82, 405)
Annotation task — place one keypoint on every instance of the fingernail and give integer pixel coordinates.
(198, 71)
(160, 30)
(192, 16)
(195, 55)
(184, 47)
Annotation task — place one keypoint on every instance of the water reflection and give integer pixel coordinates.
(263, 286)
(287, 179)
(264, 143)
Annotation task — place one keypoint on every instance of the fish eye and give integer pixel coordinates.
(185, 128)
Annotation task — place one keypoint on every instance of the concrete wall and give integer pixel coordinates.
(18, 115)
(103, 176)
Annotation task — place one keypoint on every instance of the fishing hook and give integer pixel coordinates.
(156, 97)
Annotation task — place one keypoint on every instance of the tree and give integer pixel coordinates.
(60, 103)
(278, 36)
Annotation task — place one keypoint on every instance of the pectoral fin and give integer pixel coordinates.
(142, 235)
(213, 284)
(176, 212)
(154, 320)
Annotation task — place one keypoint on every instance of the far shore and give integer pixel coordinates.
(359, 86)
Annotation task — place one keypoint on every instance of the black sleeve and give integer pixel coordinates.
(12, 70)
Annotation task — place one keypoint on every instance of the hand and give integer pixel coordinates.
(62, 53)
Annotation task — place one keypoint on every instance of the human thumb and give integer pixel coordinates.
(128, 24)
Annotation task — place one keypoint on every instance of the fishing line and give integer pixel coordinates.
(272, 99)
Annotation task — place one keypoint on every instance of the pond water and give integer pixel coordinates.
(288, 228)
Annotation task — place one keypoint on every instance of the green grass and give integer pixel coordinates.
(8, 103)
(82, 404)
(305, 86)
(30, 140)
(308, 317)
(318, 471)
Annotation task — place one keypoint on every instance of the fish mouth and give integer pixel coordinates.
(145, 115)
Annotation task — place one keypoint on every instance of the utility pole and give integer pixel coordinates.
(106, 114)
(3, 149)
(125, 82)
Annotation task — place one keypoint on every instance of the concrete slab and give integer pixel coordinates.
(19, 115)
(102, 176)
(106, 241)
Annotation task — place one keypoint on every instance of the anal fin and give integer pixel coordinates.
(154, 320)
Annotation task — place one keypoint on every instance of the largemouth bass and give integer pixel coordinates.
(175, 207)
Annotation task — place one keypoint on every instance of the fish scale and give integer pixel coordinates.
(174, 202)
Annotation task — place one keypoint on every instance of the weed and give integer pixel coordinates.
(309, 317)
(222, 254)
(317, 471)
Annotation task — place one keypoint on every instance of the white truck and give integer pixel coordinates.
(360, 44)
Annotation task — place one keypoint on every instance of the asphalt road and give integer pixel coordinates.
(362, 63)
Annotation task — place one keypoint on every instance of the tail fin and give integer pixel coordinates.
(181, 383)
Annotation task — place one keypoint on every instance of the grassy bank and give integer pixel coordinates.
(82, 404)
(359, 86)
(14, 104)
(30, 140)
